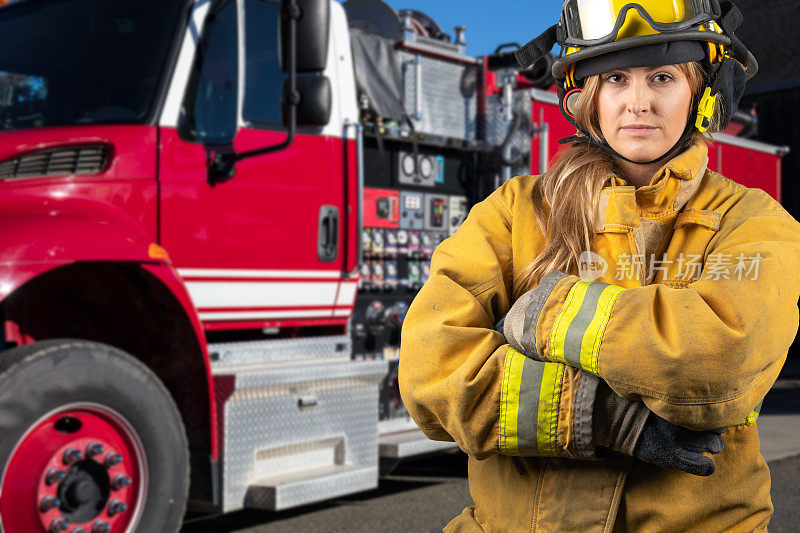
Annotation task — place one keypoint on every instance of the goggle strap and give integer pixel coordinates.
(731, 17)
(528, 55)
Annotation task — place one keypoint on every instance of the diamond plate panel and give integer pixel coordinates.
(283, 421)
(330, 482)
(448, 98)
(226, 354)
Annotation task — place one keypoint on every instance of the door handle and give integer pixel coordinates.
(328, 233)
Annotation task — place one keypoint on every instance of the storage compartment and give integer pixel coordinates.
(299, 433)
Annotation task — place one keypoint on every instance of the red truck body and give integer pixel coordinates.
(220, 288)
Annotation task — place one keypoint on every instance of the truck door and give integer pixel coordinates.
(264, 245)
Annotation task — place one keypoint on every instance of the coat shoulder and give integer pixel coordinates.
(732, 200)
(517, 189)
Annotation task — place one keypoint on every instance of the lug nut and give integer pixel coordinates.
(101, 527)
(58, 525)
(49, 502)
(94, 448)
(116, 507)
(121, 481)
(113, 459)
(72, 455)
(54, 475)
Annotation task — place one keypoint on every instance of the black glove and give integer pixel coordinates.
(669, 446)
(629, 427)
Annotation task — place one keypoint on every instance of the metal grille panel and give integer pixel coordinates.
(448, 102)
(59, 162)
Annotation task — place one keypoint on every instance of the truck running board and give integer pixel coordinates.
(280, 492)
(404, 444)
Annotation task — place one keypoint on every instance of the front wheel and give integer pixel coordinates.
(90, 442)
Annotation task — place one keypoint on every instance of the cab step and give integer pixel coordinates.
(284, 491)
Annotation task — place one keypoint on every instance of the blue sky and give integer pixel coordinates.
(491, 22)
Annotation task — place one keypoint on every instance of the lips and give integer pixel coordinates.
(639, 129)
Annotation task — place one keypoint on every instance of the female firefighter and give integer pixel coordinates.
(649, 302)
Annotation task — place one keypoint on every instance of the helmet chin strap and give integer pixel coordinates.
(587, 138)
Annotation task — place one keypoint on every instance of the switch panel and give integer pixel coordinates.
(381, 208)
(436, 212)
(412, 211)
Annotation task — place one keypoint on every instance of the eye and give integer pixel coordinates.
(663, 77)
(614, 77)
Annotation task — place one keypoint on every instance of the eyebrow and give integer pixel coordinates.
(649, 69)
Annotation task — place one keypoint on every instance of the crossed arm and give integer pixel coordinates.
(702, 357)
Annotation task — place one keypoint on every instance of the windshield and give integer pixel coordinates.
(65, 62)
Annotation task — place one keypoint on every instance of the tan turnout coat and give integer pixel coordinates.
(698, 328)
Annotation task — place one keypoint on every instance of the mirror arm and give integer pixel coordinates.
(222, 166)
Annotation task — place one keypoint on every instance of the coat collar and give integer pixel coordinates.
(621, 206)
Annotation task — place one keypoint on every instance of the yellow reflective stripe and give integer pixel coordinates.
(572, 304)
(509, 401)
(549, 399)
(590, 347)
(749, 419)
(590, 333)
(753, 416)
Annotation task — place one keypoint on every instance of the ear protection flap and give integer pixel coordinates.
(728, 82)
(569, 103)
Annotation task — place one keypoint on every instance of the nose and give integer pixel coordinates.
(639, 97)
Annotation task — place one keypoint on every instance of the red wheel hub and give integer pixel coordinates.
(81, 470)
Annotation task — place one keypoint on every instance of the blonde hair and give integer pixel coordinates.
(571, 187)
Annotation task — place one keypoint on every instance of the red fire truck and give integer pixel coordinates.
(213, 216)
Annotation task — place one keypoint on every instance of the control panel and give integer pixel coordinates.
(410, 208)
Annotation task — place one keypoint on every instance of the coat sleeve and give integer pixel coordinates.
(702, 356)
(460, 380)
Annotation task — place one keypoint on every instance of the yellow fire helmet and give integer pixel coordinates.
(601, 35)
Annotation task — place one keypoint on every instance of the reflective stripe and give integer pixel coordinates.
(753, 416)
(530, 406)
(509, 401)
(581, 322)
(549, 399)
(572, 304)
(597, 327)
(574, 337)
(529, 400)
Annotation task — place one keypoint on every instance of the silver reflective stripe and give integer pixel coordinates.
(582, 414)
(533, 309)
(528, 413)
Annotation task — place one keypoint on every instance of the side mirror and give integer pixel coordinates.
(305, 100)
(315, 104)
(313, 25)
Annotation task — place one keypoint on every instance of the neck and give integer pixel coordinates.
(637, 175)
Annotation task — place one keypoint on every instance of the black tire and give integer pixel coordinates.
(42, 377)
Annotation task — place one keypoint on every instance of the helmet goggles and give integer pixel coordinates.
(595, 22)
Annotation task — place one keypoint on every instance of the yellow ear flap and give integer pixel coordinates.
(705, 110)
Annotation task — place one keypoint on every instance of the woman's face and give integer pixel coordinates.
(643, 111)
